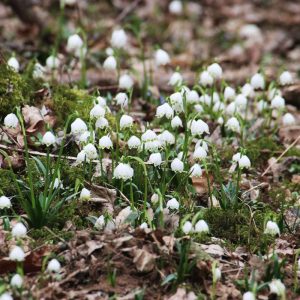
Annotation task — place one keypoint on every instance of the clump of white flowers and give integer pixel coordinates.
(272, 228)
(123, 171)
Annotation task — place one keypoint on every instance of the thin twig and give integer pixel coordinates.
(127, 10)
(281, 155)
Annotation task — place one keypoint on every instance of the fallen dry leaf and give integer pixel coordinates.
(144, 261)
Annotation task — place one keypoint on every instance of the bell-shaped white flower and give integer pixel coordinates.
(123, 171)
(75, 43)
(101, 101)
(19, 230)
(177, 165)
(162, 58)
(154, 198)
(244, 162)
(90, 151)
(97, 111)
(164, 110)
(16, 281)
(288, 120)
(81, 157)
(52, 62)
(277, 287)
(17, 254)
(110, 63)
(11, 121)
(155, 159)
(176, 122)
(118, 38)
(201, 227)
(272, 228)
(49, 139)
(6, 296)
(122, 99)
(215, 70)
(262, 105)
(199, 153)
(199, 127)
(229, 93)
(166, 138)
(125, 82)
(78, 127)
(249, 296)
(14, 64)
(134, 142)
(233, 125)
(100, 223)
(176, 79)
(4, 202)
(149, 135)
(53, 266)
(187, 227)
(278, 102)
(206, 79)
(175, 7)
(192, 97)
(241, 101)
(195, 171)
(173, 204)
(38, 71)
(176, 102)
(285, 78)
(105, 142)
(248, 90)
(126, 122)
(101, 123)
(257, 81)
(85, 194)
(217, 274)
(144, 225)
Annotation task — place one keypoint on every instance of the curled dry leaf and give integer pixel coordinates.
(144, 261)
(182, 294)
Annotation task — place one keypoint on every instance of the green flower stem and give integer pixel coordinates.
(208, 183)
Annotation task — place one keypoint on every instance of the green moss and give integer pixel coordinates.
(7, 186)
(14, 90)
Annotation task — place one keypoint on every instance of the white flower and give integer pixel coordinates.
(78, 127)
(176, 122)
(83, 138)
(236, 157)
(231, 108)
(49, 139)
(19, 230)
(90, 151)
(216, 274)
(164, 110)
(233, 124)
(101, 123)
(144, 225)
(198, 108)
(4, 202)
(177, 165)
(97, 111)
(187, 227)
(149, 135)
(74, 43)
(11, 121)
(16, 281)
(176, 79)
(17, 254)
(192, 97)
(220, 121)
(173, 204)
(175, 7)
(125, 82)
(219, 106)
(257, 81)
(57, 183)
(288, 119)
(105, 142)
(262, 105)
(14, 64)
(80, 157)
(177, 102)
(85, 194)
(110, 63)
(52, 62)
(278, 102)
(285, 78)
(126, 121)
(162, 58)
(166, 138)
(199, 153)
(203, 144)
(118, 38)
(155, 159)
(249, 296)
(154, 198)
(195, 171)
(153, 145)
(229, 93)
(201, 227)
(199, 127)
(247, 90)
(6, 296)
(273, 92)
(277, 287)
(38, 71)
(206, 79)
(272, 228)
(122, 99)
(244, 162)
(53, 266)
(241, 101)
(109, 51)
(101, 101)
(215, 70)
(134, 142)
(123, 171)
(100, 223)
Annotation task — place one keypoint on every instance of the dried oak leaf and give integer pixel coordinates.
(144, 260)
